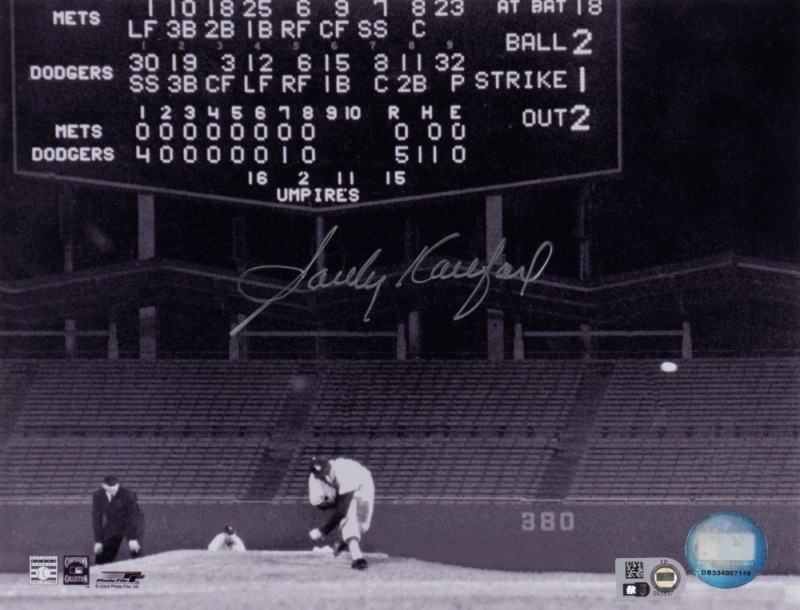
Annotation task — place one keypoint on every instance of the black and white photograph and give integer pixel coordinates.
(400, 304)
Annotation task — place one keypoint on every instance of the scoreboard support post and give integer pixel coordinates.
(66, 204)
(148, 326)
(414, 336)
(319, 237)
(519, 342)
(495, 344)
(587, 341)
(584, 237)
(66, 210)
(401, 348)
(148, 316)
(147, 226)
(686, 342)
(70, 338)
(113, 341)
(320, 344)
(411, 324)
(237, 344)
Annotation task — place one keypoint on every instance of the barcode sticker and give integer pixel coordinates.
(634, 569)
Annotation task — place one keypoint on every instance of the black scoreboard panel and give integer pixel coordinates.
(316, 104)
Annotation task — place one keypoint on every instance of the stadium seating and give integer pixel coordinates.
(445, 398)
(205, 430)
(199, 469)
(689, 470)
(717, 428)
(460, 469)
(167, 398)
(707, 398)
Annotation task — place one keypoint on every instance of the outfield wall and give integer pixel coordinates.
(536, 536)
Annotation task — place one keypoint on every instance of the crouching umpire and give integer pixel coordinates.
(115, 515)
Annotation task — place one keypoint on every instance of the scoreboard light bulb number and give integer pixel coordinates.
(574, 118)
(218, 89)
(348, 113)
(397, 177)
(257, 177)
(593, 7)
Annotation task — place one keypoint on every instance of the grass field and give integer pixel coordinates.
(298, 580)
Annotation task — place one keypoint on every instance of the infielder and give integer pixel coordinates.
(345, 486)
(227, 540)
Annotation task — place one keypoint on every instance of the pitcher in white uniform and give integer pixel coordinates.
(345, 486)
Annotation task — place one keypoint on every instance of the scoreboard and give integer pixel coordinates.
(316, 104)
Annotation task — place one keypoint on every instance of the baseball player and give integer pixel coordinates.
(346, 487)
(227, 540)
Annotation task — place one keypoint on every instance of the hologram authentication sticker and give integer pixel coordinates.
(726, 550)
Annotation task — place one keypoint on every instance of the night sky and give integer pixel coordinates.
(711, 129)
(711, 153)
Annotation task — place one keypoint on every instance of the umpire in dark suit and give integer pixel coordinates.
(115, 515)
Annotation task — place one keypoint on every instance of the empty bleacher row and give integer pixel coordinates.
(456, 469)
(687, 470)
(411, 399)
(450, 429)
(165, 398)
(188, 429)
(714, 428)
(369, 398)
(198, 469)
(704, 398)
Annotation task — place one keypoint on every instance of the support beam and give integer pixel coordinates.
(113, 341)
(686, 343)
(148, 320)
(66, 204)
(414, 334)
(319, 237)
(495, 338)
(584, 240)
(401, 347)
(70, 338)
(237, 344)
(494, 224)
(586, 339)
(519, 342)
(147, 227)
(495, 348)
(148, 332)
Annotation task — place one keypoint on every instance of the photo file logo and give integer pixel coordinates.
(121, 578)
